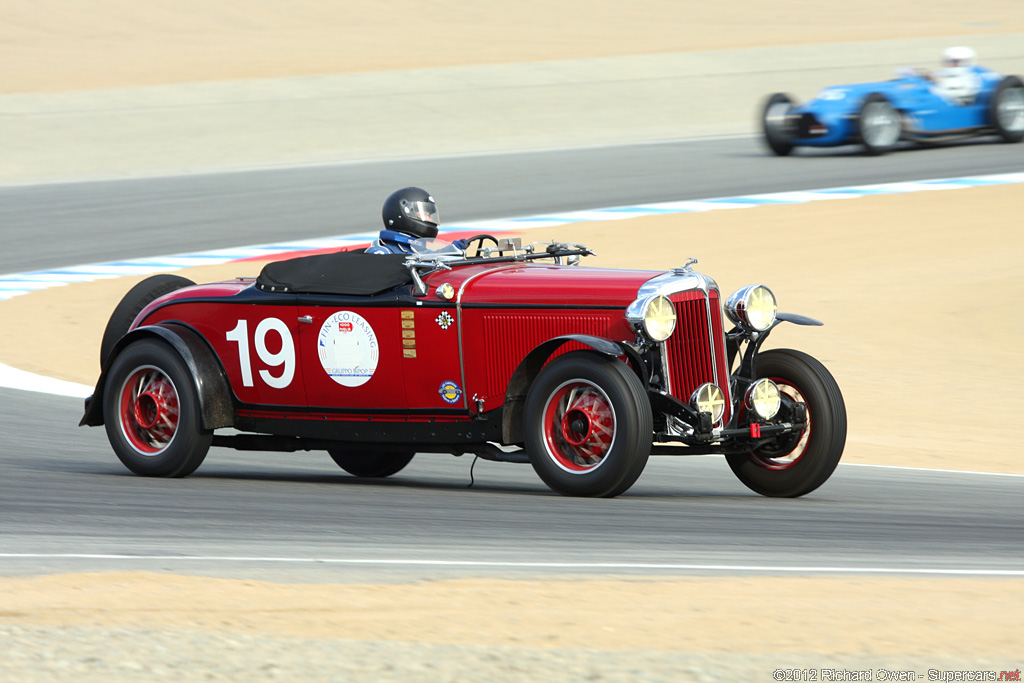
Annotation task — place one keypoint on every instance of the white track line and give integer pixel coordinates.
(668, 566)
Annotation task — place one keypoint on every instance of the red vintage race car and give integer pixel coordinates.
(514, 354)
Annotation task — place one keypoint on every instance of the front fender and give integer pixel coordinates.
(735, 337)
(211, 382)
(528, 369)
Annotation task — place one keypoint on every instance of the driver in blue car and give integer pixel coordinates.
(409, 214)
(957, 80)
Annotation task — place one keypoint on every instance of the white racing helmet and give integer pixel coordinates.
(958, 56)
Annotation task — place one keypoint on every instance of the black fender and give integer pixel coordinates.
(748, 366)
(528, 369)
(211, 381)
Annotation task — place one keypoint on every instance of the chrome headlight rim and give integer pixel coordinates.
(709, 398)
(753, 307)
(763, 398)
(653, 317)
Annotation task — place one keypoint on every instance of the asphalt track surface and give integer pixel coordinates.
(67, 504)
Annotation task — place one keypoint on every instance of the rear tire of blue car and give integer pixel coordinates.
(588, 425)
(1006, 111)
(879, 125)
(796, 464)
(152, 413)
(370, 464)
(778, 133)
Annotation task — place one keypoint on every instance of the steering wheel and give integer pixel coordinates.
(480, 239)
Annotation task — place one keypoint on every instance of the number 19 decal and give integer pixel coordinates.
(285, 357)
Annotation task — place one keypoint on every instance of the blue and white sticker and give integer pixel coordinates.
(450, 392)
(348, 349)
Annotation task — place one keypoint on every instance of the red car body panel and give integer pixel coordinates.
(418, 364)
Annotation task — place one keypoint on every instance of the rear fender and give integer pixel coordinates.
(528, 369)
(211, 381)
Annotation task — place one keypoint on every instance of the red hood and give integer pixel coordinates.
(520, 283)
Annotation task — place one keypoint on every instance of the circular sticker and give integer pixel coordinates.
(348, 349)
(450, 392)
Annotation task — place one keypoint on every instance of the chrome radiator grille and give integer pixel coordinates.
(696, 350)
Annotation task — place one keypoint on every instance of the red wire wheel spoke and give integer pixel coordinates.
(579, 426)
(149, 410)
(774, 459)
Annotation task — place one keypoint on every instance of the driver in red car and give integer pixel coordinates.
(409, 214)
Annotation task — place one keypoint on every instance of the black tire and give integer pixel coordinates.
(879, 125)
(1006, 111)
(778, 132)
(797, 464)
(598, 403)
(151, 411)
(132, 303)
(371, 464)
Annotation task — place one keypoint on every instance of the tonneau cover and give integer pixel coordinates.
(352, 273)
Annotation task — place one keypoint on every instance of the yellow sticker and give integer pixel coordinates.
(409, 353)
(409, 343)
(408, 314)
(408, 334)
(408, 324)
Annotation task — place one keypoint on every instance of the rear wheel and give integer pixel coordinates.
(878, 125)
(778, 131)
(588, 425)
(1006, 112)
(151, 412)
(369, 463)
(132, 303)
(796, 464)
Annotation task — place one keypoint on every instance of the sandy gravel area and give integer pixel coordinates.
(170, 41)
(601, 629)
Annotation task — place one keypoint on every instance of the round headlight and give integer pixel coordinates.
(709, 399)
(752, 307)
(659, 318)
(763, 398)
(654, 317)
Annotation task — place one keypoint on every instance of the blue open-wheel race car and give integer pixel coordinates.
(917, 106)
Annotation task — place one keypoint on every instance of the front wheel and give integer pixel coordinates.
(588, 426)
(775, 122)
(1006, 112)
(796, 464)
(878, 125)
(151, 412)
(370, 464)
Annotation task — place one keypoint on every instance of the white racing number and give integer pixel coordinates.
(284, 358)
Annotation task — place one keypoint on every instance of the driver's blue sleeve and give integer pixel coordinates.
(460, 244)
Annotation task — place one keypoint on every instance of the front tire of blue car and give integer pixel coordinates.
(795, 464)
(879, 125)
(1006, 113)
(588, 425)
(775, 123)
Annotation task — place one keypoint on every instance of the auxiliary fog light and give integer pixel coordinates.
(763, 398)
(753, 307)
(654, 316)
(709, 399)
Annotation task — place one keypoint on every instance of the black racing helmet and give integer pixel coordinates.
(412, 211)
